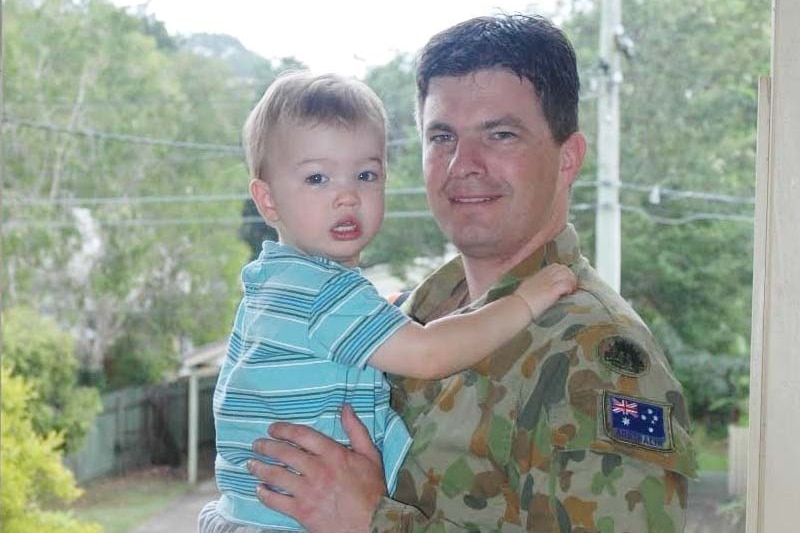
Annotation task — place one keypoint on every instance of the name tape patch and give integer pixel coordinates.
(637, 421)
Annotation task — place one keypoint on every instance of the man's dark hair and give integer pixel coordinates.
(530, 46)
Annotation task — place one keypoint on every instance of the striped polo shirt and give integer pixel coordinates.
(302, 337)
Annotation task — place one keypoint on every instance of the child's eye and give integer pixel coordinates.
(316, 179)
(368, 175)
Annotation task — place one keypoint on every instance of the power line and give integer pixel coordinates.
(694, 217)
(677, 193)
(150, 141)
(133, 139)
(235, 221)
(205, 198)
(168, 199)
(671, 221)
(235, 149)
(181, 221)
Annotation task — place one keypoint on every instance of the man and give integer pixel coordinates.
(577, 424)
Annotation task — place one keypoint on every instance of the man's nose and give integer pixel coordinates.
(468, 159)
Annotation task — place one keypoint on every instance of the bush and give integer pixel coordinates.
(715, 387)
(36, 349)
(34, 480)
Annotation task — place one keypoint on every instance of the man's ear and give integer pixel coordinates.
(262, 197)
(573, 151)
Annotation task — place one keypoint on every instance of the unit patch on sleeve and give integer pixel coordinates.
(637, 421)
(623, 356)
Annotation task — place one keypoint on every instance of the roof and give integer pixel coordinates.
(206, 359)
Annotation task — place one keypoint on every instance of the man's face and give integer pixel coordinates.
(497, 182)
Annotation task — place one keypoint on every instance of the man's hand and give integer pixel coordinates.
(337, 488)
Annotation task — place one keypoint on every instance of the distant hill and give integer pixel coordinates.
(244, 62)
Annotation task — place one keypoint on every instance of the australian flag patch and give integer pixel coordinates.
(637, 421)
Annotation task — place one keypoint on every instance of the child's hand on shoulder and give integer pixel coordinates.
(543, 289)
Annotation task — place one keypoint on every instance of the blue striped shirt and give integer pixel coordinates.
(302, 337)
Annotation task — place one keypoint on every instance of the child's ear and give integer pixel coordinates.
(262, 196)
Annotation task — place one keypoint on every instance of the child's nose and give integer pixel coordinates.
(347, 196)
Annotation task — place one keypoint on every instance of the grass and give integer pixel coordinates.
(120, 504)
(712, 453)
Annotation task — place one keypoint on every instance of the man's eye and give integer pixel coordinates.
(316, 179)
(502, 135)
(368, 175)
(440, 138)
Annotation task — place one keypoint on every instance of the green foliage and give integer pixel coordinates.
(688, 122)
(134, 279)
(394, 84)
(97, 228)
(408, 231)
(33, 477)
(34, 348)
(254, 231)
(715, 387)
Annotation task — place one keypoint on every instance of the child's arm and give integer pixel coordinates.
(445, 346)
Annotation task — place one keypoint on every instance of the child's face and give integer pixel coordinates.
(324, 187)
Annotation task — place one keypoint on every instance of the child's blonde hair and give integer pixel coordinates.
(303, 97)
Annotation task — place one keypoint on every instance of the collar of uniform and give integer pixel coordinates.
(445, 290)
(563, 249)
(439, 294)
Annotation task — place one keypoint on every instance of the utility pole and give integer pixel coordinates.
(608, 245)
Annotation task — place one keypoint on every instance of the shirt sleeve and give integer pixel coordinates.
(564, 463)
(613, 443)
(349, 320)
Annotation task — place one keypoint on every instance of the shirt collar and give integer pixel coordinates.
(445, 290)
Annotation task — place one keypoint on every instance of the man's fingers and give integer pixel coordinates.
(275, 500)
(360, 440)
(276, 476)
(283, 452)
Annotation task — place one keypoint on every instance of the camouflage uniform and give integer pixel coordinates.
(532, 439)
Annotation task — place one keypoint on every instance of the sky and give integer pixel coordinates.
(342, 36)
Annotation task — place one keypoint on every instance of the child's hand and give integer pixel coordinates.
(546, 287)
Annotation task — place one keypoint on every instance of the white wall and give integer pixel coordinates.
(774, 471)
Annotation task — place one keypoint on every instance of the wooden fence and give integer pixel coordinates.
(142, 426)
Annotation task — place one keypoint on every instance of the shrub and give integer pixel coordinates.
(34, 480)
(36, 349)
(715, 387)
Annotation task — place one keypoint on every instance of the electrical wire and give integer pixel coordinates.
(133, 139)
(233, 221)
(233, 149)
(167, 199)
(160, 222)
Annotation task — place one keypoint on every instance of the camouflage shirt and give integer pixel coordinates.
(576, 425)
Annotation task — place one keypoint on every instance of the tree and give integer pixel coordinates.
(688, 107)
(33, 477)
(408, 231)
(688, 123)
(101, 233)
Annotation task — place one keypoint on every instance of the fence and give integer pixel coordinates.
(142, 426)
